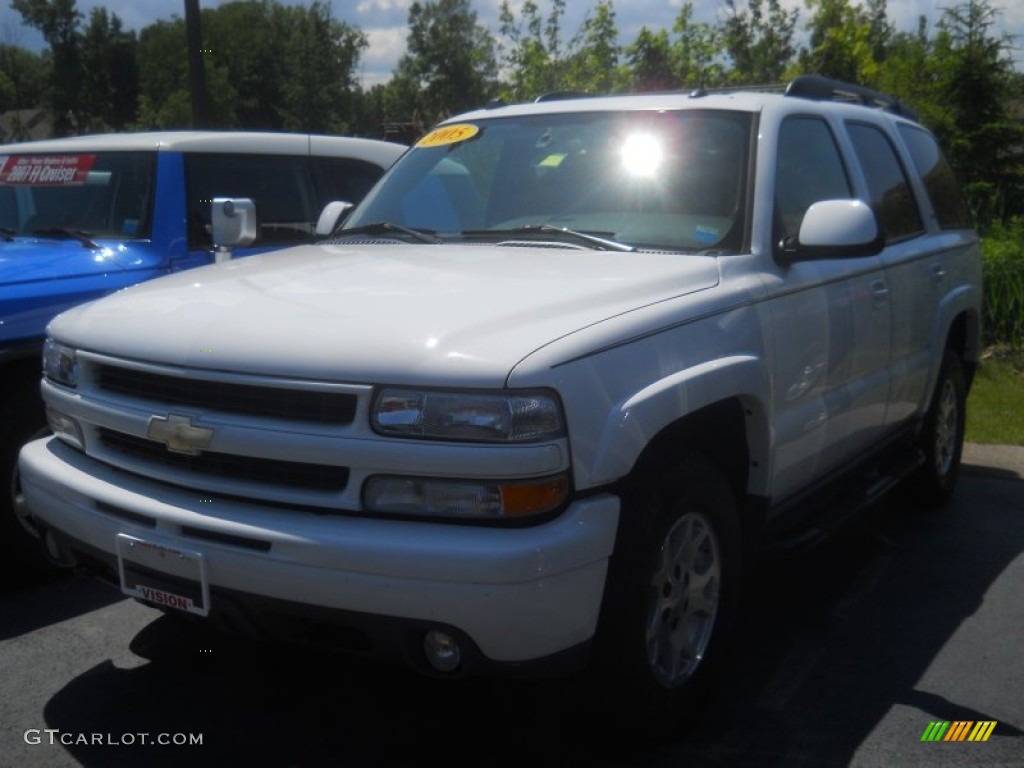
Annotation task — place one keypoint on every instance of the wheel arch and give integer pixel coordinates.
(964, 339)
(714, 409)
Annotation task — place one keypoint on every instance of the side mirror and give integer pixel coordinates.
(234, 225)
(835, 229)
(332, 215)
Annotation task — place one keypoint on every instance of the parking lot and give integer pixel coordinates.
(844, 656)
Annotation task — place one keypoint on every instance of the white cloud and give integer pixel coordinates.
(386, 46)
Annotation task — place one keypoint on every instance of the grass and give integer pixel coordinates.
(995, 407)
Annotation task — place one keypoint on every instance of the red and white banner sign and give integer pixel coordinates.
(56, 170)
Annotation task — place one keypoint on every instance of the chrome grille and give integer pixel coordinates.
(249, 399)
(316, 477)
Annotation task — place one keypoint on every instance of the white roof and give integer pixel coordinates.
(381, 152)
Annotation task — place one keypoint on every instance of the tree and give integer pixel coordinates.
(110, 73)
(649, 62)
(292, 69)
(319, 84)
(847, 42)
(58, 21)
(975, 81)
(532, 50)
(23, 76)
(697, 51)
(759, 43)
(450, 58)
(164, 99)
(593, 65)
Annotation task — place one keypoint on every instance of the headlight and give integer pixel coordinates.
(468, 499)
(60, 364)
(487, 417)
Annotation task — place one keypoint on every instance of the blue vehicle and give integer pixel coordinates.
(86, 216)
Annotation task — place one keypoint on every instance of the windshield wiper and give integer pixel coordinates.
(81, 236)
(388, 228)
(552, 232)
(8, 234)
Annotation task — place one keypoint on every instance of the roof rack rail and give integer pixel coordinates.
(700, 91)
(822, 88)
(560, 95)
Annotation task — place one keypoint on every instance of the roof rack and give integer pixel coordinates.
(560, 95)
(826, 89)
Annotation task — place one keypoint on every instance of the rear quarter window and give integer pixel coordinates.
(939, 180)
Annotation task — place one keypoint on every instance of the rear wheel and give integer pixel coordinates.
(673, 592)
(942, 437)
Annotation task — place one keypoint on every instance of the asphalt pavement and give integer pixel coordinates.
(845, 656)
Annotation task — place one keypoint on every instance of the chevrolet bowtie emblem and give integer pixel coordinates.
(179, 434)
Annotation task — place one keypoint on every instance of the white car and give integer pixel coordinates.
(552, 384)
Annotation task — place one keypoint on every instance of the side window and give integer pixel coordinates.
(890, 191)
(939, 180)
(342, 178)
(810, 169)
(280, 186)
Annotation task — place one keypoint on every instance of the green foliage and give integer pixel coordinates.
(540, 61)
(532, 51)
(110, 77)
(847, 42)
(59, 21)
(450, 64)
(649, 62)
(1003, 265)
(293, 69)
(23, 76)
(995, 408)
(759, 43)
(697, 51)
(593, 62)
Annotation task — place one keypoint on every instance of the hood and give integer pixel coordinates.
(27, 260)
(437, 314)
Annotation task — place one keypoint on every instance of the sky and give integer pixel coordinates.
(384, 21)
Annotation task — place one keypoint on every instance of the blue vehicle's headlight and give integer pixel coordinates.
(60, 364)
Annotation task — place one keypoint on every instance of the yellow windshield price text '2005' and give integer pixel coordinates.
(448, 134)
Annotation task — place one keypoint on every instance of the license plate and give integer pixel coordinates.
(163, 574)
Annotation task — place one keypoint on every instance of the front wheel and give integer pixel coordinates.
(20, 546)
(673, 591)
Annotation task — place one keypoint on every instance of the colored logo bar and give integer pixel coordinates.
(959, 730)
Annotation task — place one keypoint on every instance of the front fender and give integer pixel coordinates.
(633, 422)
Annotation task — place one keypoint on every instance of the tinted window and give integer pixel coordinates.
(281, 188)
(342, 178)
(890, 191)
(101, 193)
(810, 169)
(938, 177)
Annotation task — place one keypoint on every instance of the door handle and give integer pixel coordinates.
(879, 293)
(938, 273)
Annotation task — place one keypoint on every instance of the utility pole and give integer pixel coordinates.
(196, 73)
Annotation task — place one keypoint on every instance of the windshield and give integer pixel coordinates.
(102, 194)
(666, 180)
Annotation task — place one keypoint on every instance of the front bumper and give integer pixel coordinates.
(517, 595)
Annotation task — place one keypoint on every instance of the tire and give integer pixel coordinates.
(942, 436)
(20, 545)
(673, 593)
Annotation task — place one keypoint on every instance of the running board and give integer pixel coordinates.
(831, 507)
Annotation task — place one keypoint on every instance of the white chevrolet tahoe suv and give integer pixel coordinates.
(544, 394)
